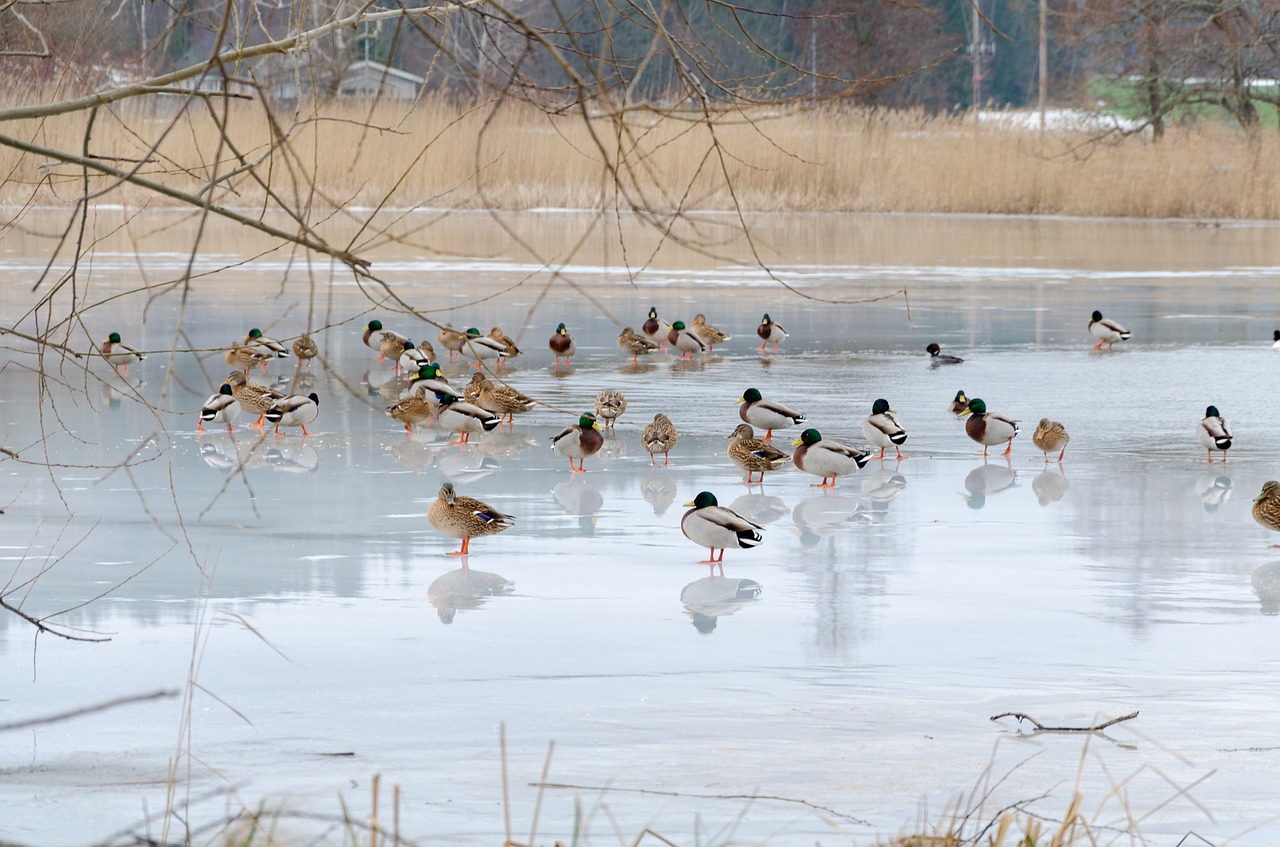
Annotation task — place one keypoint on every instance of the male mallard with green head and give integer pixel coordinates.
(1214, 433)
(988, 428)
(465, 517)
(118, 354)
(373, 335)
(882, 428)
(653, 328)
(685, 341)
(960, 405)
(1107, 331)
(464, 418)
(710, 525)
(753, 455)
(825, 458)
(770, 331)
(578, 441)
(294, 410)
(412, 358)
(482, 348)
(561, 344)
(767, 414)
(255, 338)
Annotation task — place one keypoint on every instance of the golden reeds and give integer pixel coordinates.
(510, 155)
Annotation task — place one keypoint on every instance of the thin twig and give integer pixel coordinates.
(1042, 728)
(163, 693)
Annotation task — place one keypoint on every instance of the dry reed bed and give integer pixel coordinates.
(512, 156)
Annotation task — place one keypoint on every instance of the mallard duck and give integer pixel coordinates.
(373, 335)
(631, 342)
(753, 455)
(578, 441)
(412, 358)
(1107, 331)
(988, 428)
(825, 458)
(710, 525)
(118, 354)
(610, 405)
(562, 345)
(255, 338)
(1266, 506)
(770, 331)
(506, 341)
(501, 399)
(428, 382)
(451, 340)
(219, 408)
(482, 348)
(409, 410)
(685, 341)
(710, 335)
(767, 414)
(465, 517)
(960, 405)
(244, 358)
(294, 410)
(1050, 436)
(464, 418)
(255, 399)
(937, 357)
(305, 349)
(1275, 340)
(392, 347)
(882, 428)
(1214, 433)
(659, 437)
(653, 328)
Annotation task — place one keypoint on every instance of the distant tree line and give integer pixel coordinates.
(1160, 60)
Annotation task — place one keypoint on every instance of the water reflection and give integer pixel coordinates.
(658, 490)
(988, 479)
(1214, 490)
(881, 485)
(291, 457)
(465, 466)
(411, 453)
(708, 599)
(502, 446)
(465, 589)
(1050, 486)
(823, 516)
(576, 497)
(760, 508)
(1266, 584)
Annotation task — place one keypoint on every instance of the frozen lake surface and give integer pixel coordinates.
(294, 594)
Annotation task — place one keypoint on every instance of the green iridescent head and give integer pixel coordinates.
(977, 406)
(880, 407)
(703, 500)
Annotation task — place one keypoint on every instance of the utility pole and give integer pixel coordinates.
(1044, 61)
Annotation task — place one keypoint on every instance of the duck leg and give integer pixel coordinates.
(466, 542)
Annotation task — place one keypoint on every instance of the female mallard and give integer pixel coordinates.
(1050, 436)
(710, 525)
(412, 359)
(482, 348)
(767, 414)
(578, 441)
(710, 335)
(305, 348)
(610, 405)
(294, 410)
(659, 437)
(653, 328)
(451, 340)
(988, 428)
(428, 382)
(244, 358)
(937, 357)
(465, 517)
(500, 399)
(882, 429)
(960, 405)
(1214, 433)
(255, 338)
(506, 341)
(1266, 506)
(562, 345)
(770, 331)
(373, 335)
(631, 342)
(1107, 331)
(219, 408)
(464, 418)
(254, 399)
(409, 410)
(753, 455)
(392, 347)
(827, 459)
(685, 341)
(118, 354)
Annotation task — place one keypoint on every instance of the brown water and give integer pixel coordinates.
(295, 590)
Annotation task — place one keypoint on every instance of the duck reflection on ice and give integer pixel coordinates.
(760, 508)
(501, 446)
(658, 490)
(575, 497)
(1050, 486)
(1266, 584)
(465, 466)
(710, 598)
(881, 485)
(465, 589)
(1214, 490)
(987, 479)
(822, 517)
(290, 456)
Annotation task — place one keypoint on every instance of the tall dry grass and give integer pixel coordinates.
(510, 155)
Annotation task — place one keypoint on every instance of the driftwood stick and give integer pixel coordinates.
(89, 710)
(1021, 716)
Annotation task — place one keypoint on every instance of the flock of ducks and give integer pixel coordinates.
(483, 405)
